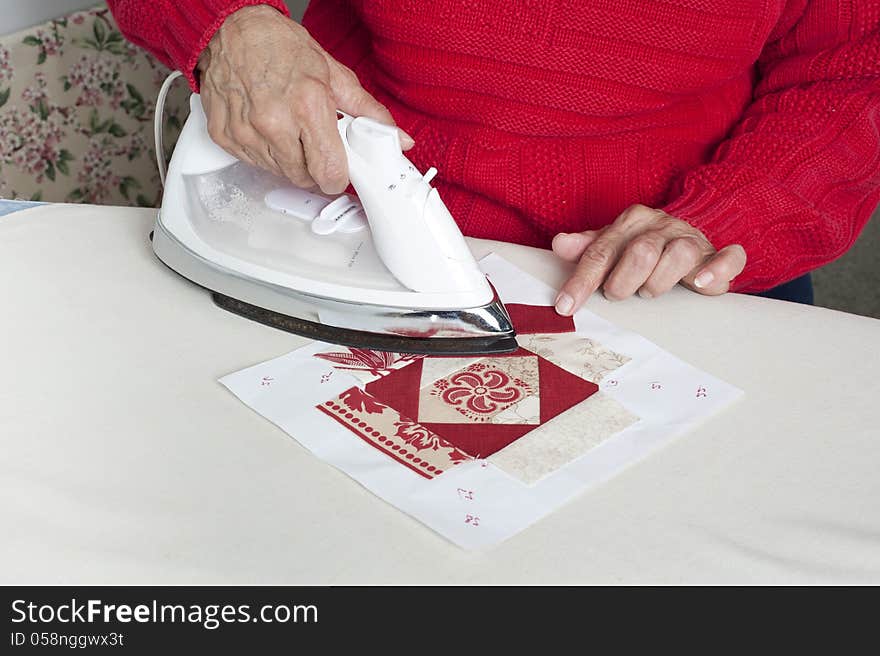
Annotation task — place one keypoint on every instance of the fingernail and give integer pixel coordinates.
(406, 141)
(564, 304)
(644, 293)
(704, 279)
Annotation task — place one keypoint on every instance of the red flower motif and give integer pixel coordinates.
(457, 456)
(420, 438)
(481, 391)
(359, 401)
(417, 436)
(376, 362)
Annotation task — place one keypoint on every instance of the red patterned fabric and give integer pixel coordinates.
(397, 436)
(376, 363)
(558, 391)
(756, 121)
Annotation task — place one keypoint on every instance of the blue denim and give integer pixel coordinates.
(799, 290)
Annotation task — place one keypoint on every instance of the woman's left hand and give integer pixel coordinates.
(645, 251)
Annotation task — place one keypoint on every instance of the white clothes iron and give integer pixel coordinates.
(387, 270)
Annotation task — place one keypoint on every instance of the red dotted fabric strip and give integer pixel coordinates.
(399, 437)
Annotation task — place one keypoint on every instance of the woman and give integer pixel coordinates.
(722, 146)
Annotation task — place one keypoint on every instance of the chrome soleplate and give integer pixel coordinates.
(368, 340)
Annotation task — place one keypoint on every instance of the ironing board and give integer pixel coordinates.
(124, 461)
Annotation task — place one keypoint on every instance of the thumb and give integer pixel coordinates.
(571, 245)
(713, 276)
(353, 99)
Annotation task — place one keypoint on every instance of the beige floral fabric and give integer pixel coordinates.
(563, 438)
(76, 113)
(487, 391)
(578, 355)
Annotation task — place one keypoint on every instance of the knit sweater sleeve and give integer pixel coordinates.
(177, 31)
(797, 179)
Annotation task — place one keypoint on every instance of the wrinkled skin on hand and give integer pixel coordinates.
(646, 251)
(270, 94)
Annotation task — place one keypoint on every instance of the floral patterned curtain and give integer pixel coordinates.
(76, 113)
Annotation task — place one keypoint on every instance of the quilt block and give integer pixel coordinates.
(479, 448)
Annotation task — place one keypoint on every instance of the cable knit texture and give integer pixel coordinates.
(758, 121)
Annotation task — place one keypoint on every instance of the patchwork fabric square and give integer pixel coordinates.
(561, 440)
(529, 412)
(578, 355)
(487, 404)
(493, 391)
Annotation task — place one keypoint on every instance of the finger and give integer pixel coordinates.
(278, 126)
(596, 262)
(714, 277)
(406, 141)
(252, 144)
(217, 118)
(256, 151)
(636, 264)
(294, 167)
(571, 245)
(244, 142)
(353, 99)
(679, 258)
(286, 149)
(324, 153)
(601, 255)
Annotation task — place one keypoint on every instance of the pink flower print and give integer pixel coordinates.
(136, 145)
(36, 92)
(5, 66)
(97, 176)
(160, 72)
(98, 79)
(30, 139)
(481, 390)
(49, 42)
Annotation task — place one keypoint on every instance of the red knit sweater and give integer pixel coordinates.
(756, 121)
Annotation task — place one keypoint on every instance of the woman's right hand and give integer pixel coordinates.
(270, 94)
